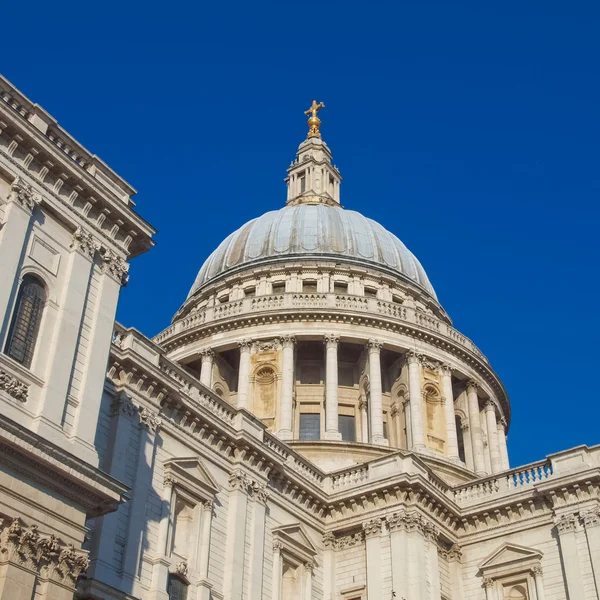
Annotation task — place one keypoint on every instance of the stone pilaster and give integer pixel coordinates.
(364, 421)
(502, 444)
(591, 523)
(538, 580)
(454, 558)
(277, 571)
(329, 566)
(416, 403)
(286, 402)
(372, 531)
(397, 525)
(331, 388)
(257, 540)
(566, 526)
(13, 236)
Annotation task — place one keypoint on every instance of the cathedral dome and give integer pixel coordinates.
(316, 230)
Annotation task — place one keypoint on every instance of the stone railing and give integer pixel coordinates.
(330, 302)
(520, 477)
(349, 477)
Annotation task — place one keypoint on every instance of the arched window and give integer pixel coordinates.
(177, 588)
(26, 320)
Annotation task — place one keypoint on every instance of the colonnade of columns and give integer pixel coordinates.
(482, 460)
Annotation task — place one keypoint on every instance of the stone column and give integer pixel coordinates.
(160, 569)
(475, 427)
(331, 388)
(59, 365)
(502, 444)
(417, 564)
(490, 588)
(13, 236)
(399, 548)
(286, 402)
(149, 424)
(364, 421)
(233, 571)
(376, 398)
(372, 531)
(591, 522)
(277, 566)
(329, 566)
(416, 402)
(207, 357)
(467, 444)
(538, 579)
(451, 436)
(244, 373)
(257, 541)
(566, 527)
(492, 429)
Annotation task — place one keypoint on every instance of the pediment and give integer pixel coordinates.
(190, 474)
(510, 554)
(295, 541)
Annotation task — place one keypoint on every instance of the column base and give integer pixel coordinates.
(333, 435)
(380, 441)
(285, 434)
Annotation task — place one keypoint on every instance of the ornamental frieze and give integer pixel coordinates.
(13, 386)
(26, 547)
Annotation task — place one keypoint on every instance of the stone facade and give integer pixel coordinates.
(309, 427)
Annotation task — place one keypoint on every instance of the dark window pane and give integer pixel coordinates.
(26, 321)
(177, 588)
(347, 427)
(385, 432)
(310, 426)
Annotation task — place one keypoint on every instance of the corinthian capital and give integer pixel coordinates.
(490, 405)
(114, 265)
(413, 357)
(472, 386)
(245, 345)
(565, 523)
(84, 242)
(22, 194)
(374, 346)
(331, 340)
(149, 419)
(445, 369)
(207, 355)
(372, 527)
(287, 340)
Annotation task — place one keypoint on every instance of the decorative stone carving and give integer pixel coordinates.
(472, 386)
(207, 355)
(22, 194)
(398, 520)
(372, 527)
(181, 568)
(537, 570)
(464, 425)
(115, 266)
(245, 345)
(309, 567)
(84, 242)
(591, 518)
(374, 345)
(169, 480)
(429, 363)
(445, 369)
(259, 492)
(267, 345)
(413, 357)
(490, 405)
(238, 480)
(565, 523)
(277, 546)
(454, 554)
(13, 386)
(348, 541)
(149, 419)
(329, 540)
(331, 340)
(362, 405)
(288, 341)
(208, 505)
(47, 554)
(123, 404)
(488, 582)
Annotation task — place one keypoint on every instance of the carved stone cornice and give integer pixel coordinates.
(565, 523)
(22, 193)
(13, 387)
(331, 340)
(373, 527)
(47, 554)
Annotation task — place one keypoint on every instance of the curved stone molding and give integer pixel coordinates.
(13, 387)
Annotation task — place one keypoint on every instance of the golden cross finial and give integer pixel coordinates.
(314, 122)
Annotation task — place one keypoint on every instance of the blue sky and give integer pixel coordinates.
(470, 130)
